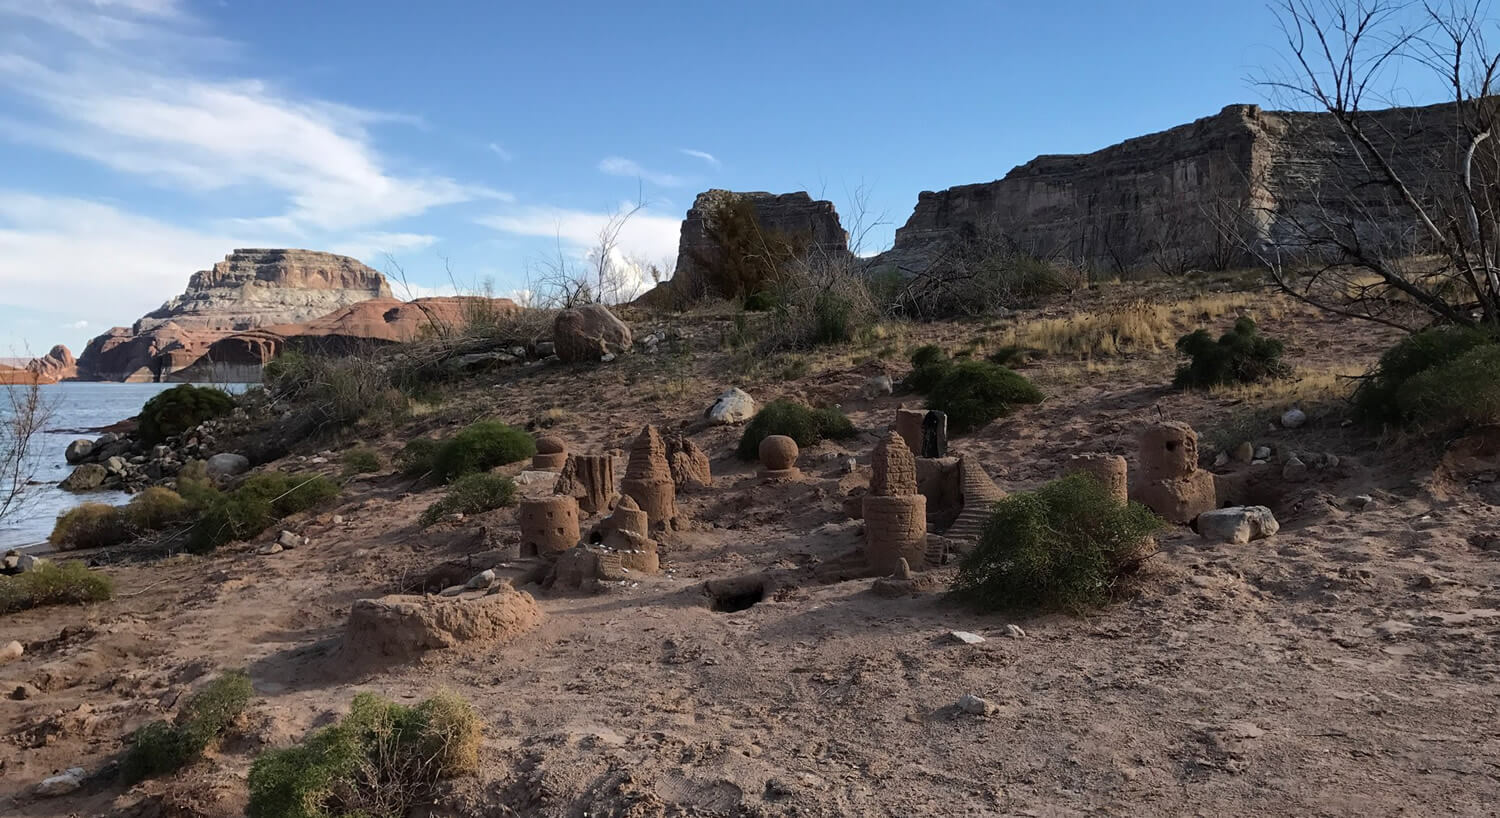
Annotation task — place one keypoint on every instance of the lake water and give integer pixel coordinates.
(78, 411)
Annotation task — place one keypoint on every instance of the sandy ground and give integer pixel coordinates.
(1345, 667)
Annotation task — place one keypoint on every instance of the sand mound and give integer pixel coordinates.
(399, 627)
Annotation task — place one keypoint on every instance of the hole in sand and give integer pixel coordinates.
(738, 598)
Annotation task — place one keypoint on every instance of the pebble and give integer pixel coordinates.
(849, 464)
(289, 540)
(966, 637)
(1245, 452)
(338, 519)
(481, 580)
(268, 550)
(1293, 418)
(1295, 471)
(1263, 453)
(12, 651)
(1015, 632)
(1222, 460)
(62, 784)
(1362, 501)
(974, 705)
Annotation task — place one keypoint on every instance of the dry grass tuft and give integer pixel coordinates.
(1136, 327)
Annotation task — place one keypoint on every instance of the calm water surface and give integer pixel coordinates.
(78, 410)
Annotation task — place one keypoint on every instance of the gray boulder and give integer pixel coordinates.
(115, 465)
(589, 333)
(227, 464)
(86, 477)
(1239, 524)
(733, 406)
(78, 451)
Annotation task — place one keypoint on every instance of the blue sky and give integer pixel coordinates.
(141, 140)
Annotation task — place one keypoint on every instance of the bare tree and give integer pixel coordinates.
(24, 413)
(603, 274)
(1404, 228)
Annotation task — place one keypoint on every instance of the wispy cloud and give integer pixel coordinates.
(704, 155)
(619, 166)
(372, 247)
(646, 239)
(499, 150)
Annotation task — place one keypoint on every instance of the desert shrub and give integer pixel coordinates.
(339, 390)
(973, 393)
(981, 276)
(1462, 393)
(1378, 398)
(761, 301)
(819, 304)
(54, 583)
(416, 458)
(383, 759)
(361, 460)
(1063, 546)
(91, 525)
(740, 258)
(1241, 355)
(472, 494)
(163, 747)
(155, 508)
(798, 422)
(929, 364)
(250, 509)
(834, 319)
(181, 408)
(480, 447)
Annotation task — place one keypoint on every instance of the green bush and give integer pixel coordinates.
(156, 508)
(973, 393)
(54, 583)
(804, 425)
(1241, 355)
(1064, 546)
(1378, 398)
(91, 525)
(161, 747)
(761, 301)
(480, 447)
(835, 319)
(929, 364)
(417, 457)
(181, 408)
(341, 390)
(472, 494)
(383, 759)
(250, 509)
(1462, 393)
(361, 460)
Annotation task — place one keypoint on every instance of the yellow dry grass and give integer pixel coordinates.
(1139, 326)
(1303, 387)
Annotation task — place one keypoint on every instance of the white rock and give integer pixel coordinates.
(481, 580)
(63, 784)
(1362, 501)
(11, 651)
(1015, 632)
(1239, 524)
(268, 550)
(536, 477)
(289, 540)
(338, 519)
(733, 406)
(1263, 453)
(1293, 418)
(1222, 460)
(879, 385)
(966, 637)
(848, 465)
(974, 705)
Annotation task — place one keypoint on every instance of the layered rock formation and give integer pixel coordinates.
(56, 365)
(1190, 196)
(791, 214)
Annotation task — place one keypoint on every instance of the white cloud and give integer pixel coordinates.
(704, 155)
(372, 247)
(619, 166)
(500, 151)
(645, 239)
(77, 325)
(94, 259)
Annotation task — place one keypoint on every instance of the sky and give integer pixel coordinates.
(469, 143)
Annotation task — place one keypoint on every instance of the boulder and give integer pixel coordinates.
(734, 405)
(115, 465)
(86, 477)
(67, 782)
(227, 464)
(11, 651)
(400, 627)
(78, 451)
(589, 333)
(1293, 418)
(1238, 524)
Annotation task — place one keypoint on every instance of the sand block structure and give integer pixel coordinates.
(979, 493)
(397, 628)
(648, 479)
(893, 469)
(549, 525)
(1109, 469)
(624, 532)
(551, 453)
(778, 458)
(590, 479)
(1170, 482)
(689, 464)
(895, 530)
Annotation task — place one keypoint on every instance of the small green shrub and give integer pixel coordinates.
(1241, 355)
(798, 422)
(160, 747)
(1064, 546)
(91, 525)
(156, 508)
(973, 393)
(835, 319)
(929, 364)
(248, 510)
(480, 447)
(341, 390)
(361, 460)
(472, 494)
(1462, 393)
(54, 583)
(383, 759)
(180, 408)
(761, 301)
(418, 456)
(1377, 400)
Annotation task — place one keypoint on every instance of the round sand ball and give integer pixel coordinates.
(778, 453)
(551, 444)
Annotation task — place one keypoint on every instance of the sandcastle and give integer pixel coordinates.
(590, 479)
(648, 479)
(549, 525)
(1109, 469)
(778, 457)
(551, 453)
(624, 533)
(895, 513)
(689, 464)
(979, 494)
(1171, 484)
(925, 431)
